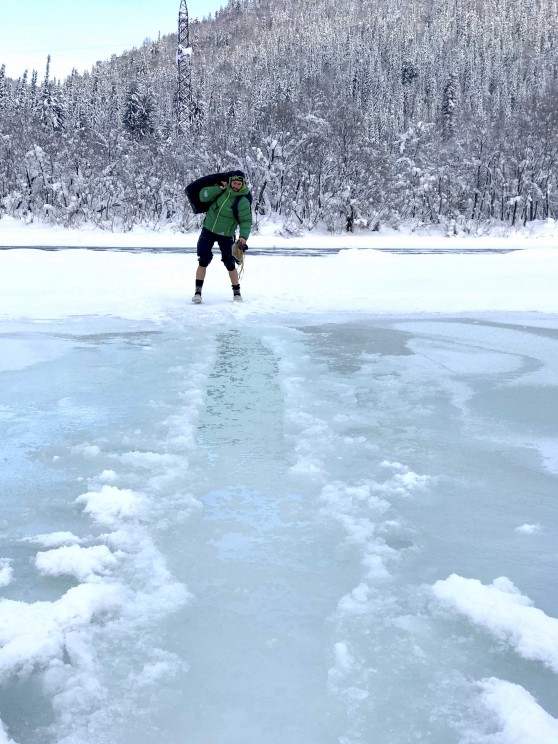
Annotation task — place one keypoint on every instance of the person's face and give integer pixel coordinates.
(236, 185)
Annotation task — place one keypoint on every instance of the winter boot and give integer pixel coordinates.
(197, 298)
(237, 297)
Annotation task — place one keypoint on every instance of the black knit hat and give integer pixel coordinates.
(238, 175)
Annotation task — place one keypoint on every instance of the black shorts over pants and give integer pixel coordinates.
(207, 240)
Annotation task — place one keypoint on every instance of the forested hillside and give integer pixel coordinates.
(343, 113)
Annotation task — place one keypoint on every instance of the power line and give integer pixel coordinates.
(50, 50)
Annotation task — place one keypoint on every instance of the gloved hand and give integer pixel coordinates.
(238, 251)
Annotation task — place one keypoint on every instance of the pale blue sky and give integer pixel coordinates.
(77, 33)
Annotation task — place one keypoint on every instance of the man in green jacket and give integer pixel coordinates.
(225, 213)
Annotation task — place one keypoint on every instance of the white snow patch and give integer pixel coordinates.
(344, 660)
(112, 506)
(54, 539)
(504, 612)
(33, 635)
(148, 460)
(4, 738)
(521, 719)
(528, 529)
(548, 450)
(6, 572)
(73, 560)
(352, 507)
(356, 602)
(108, 476)
(89, 451)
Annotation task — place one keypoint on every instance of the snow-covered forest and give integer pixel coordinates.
(346, 114)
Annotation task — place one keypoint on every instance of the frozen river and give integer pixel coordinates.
(280, 529)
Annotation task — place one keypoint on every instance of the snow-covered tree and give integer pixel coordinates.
(138, 112)
(314, 99)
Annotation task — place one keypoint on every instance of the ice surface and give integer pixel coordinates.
(249, 518)
(231, 527)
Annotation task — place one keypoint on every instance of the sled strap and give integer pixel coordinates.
(238, 251)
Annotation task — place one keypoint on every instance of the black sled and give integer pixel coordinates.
(193, 189)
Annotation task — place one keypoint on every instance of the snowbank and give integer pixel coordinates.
(15, 233)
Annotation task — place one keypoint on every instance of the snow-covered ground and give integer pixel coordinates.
(363, 276)
(324, 516)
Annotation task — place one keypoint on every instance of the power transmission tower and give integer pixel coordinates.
(184, 64)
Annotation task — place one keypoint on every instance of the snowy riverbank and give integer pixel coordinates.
(43, 284)
(15, 233)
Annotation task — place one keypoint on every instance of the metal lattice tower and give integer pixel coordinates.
(184, 64)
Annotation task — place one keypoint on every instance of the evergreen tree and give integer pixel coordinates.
(449, 104)
(138, 112)
(3, 89)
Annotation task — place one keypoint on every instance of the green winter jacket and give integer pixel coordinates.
(220, 218)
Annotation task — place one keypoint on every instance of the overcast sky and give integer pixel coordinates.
(77, 33)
